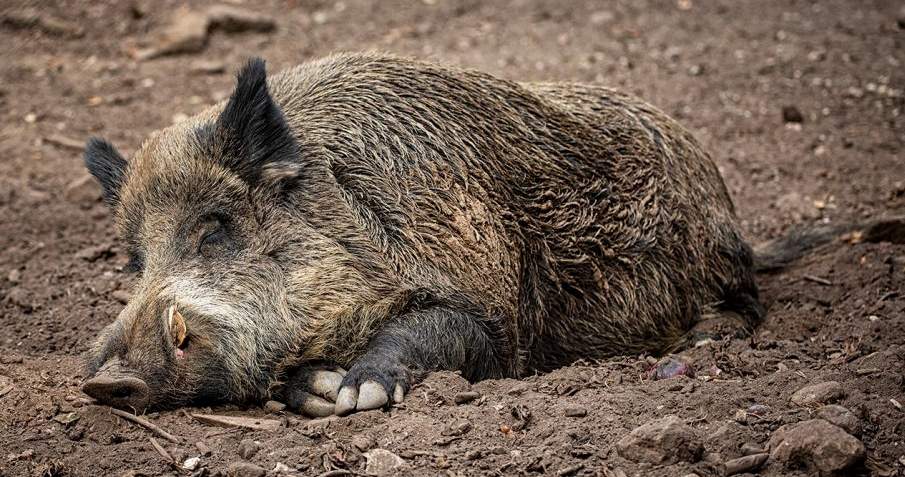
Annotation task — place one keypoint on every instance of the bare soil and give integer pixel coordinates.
(725, 68)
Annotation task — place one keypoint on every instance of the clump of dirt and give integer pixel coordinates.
(801, 105)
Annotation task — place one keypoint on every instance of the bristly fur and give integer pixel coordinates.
(107, 166)
(250, 136)
(441, 218)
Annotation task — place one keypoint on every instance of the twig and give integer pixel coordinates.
(160, 450)
(335, 473)
(145, 423)
(815, 279)
(65, 142)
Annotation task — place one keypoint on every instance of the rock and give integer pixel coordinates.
(815, 445)
(750, 448)
(245, 469)
(191, 463)
(792, 114)
(208, 67)
(281, 468)
(670, 367)
(14, 276)
(382, 462)
(186, 33)
(121, 296)
(91, 254)
(248, 448)
(747, 463)
(466, 397)
(575, 411)
(274, 406)
(663, 441)
(203, 448)
(820, 393)
(362, 443)
(842, 417)
(83, 191)
(234, 19)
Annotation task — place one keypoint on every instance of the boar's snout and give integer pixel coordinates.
(114, 388)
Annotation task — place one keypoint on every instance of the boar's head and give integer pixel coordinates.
(208, 216)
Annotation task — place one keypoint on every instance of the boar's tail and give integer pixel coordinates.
(778, 253)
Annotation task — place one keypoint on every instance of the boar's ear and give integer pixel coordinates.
(257, 142)
(107, 166)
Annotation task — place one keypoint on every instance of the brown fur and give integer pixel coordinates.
(583, 221)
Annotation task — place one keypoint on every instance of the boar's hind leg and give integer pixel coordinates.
(415, 343)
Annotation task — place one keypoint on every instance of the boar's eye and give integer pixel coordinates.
(214, 236)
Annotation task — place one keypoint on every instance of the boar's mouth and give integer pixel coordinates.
(114, 386)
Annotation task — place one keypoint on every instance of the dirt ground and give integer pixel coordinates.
(726, 69)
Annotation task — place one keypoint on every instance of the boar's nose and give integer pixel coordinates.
(119, 391)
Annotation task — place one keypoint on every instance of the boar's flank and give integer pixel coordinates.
(394, 217)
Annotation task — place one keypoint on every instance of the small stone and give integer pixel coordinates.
(842, 417)
(245, 469)
(815, 445)
(575, 411)
(67, 418)
(758, 410)
(14, 276)
(750, 448)
(203, 448)
(248, 448)
(91, 254)
(820, 393)
(466, 397)
(233, 19)
(31, 118)
(741, 416)
(791, 114)
(663, 441)
(272, 407)
(186, 33)
(191, 463)
(457, 428)
(362, 443)
(121, 296)
(281, 468)
(206, 67)
(696, 70)
(382, 462)
(670, 367)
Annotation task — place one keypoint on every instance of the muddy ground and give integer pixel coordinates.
(726, 69)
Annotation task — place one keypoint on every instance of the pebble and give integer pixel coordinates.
(121, 296)
(382, 462)
(670, 367)
(281, 468)
(191, 463)
(750, 448)
(816, 444)
(362, 443)
(186, 33)
(203, 448)
(272, 407)
(820, 393)
(248, 448)
(14, 276)
(91, 254)
(842, 417)
(792, 114)
(245, 469)
(466, 397)
(747, 463)
(662, 441)
(575, 411)
(234, 19)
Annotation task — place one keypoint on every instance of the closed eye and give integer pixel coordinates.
(212, 238)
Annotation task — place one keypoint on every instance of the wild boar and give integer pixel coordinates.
(393, 217)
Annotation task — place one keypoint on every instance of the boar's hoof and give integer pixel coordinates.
(365, 388)
(313, 391)
(123, 392)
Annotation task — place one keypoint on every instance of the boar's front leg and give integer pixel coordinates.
(416, 342)
(312, 390)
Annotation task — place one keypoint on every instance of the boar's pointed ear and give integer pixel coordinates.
(107, 166)
(258, 143)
